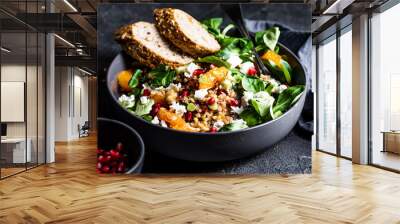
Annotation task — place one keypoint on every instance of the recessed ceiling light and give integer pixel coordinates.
(5, 50)
(64, 40)
(70, 5)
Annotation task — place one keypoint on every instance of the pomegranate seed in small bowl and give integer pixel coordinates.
(123, 148)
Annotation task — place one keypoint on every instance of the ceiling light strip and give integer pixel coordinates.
(5, 50)
(65, 41)
(70, 5)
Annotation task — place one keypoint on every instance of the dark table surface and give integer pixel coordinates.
(293, 153)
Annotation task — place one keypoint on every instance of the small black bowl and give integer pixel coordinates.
(111, 132)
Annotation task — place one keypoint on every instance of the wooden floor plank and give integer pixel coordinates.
(70, 191)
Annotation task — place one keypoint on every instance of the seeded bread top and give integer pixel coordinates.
(145, 40)
(185, 32)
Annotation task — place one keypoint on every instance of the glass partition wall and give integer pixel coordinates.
(22, 98)
(334, 86)
(385, 90)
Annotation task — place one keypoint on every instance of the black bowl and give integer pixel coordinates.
(111, 132)
(221, 146)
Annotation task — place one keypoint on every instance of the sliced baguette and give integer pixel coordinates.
(185, 32)
(143, 42)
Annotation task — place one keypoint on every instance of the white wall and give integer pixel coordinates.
(71, 102)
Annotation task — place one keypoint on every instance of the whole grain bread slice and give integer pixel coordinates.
(185, 32)
(142, 41)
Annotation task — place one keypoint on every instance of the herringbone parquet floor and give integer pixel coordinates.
(70, 191)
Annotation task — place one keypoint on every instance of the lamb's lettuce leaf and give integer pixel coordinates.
(253, 84)
(214, 60)
(161, 76)
(287, 99)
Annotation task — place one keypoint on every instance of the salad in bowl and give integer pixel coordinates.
(195, 77)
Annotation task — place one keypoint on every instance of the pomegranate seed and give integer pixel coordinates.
(234, 102)
(251, 71)
(105, 169)
(211, 101)
(146, 92)
(154, 110)
(99, 165)
(198, 72)
(189, 116)
(213, 129)
(108, 158)
(119, 147)
(100, 151)
(185, 93)
(101, 159)
(212, 66)
(115, 154)
(121, 167)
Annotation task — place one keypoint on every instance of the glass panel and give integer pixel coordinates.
(41, 98)
(13, 87)
(385, 84)
(31, 98)
(346, 93)
(327, 96)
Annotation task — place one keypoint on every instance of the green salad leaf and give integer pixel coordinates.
(267, 39)
(235, 125)
(253, 84)
(251, 116)
(134, 81)
(286, 99)
(282, 73)
(144, 108)
(262, 102)
(213, 26)
(161, 76)
(214, 60)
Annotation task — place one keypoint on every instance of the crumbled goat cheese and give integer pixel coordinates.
(237, 110)
(146, 86)
(162, 122)
(155, 120)
(200, 94)
(246, 97)
(281, 88)
(127, 101)
(144, 99)
(240, 122)
(244, 68)
(179, 109)
(191, 68)
(234, 60)
(174, 86)
(218, 124)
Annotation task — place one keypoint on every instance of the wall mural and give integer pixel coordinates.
(204, 88)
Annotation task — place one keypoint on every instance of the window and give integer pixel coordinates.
(385, 89)
(346, 92)
(327, 96)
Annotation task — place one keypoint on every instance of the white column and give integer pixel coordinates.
(50, 99)
(360, 90)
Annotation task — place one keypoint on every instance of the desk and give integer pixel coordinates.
(16, 148)
(391, 141)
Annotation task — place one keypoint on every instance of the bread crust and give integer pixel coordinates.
(136, 49)
(169, 28)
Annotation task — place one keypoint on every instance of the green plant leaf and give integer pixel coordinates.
(162, 76)
(214, 60)
(251, 117)
(287, 98)
(134, 81)
(253, 84)
(236, 125)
